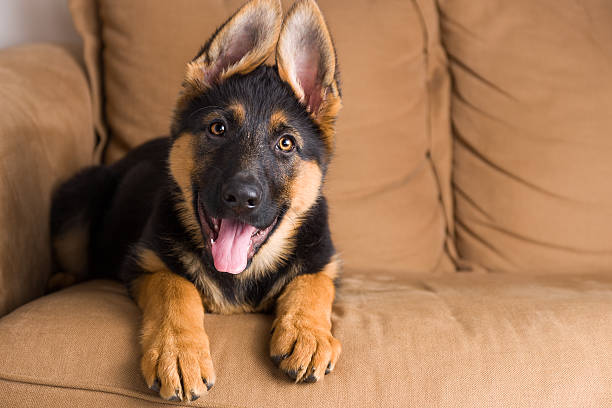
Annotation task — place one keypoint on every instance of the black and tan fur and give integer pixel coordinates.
(139, 216)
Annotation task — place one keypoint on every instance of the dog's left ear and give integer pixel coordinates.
(239, 46)
(306, 60)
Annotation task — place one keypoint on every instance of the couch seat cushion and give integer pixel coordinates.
(462, 340)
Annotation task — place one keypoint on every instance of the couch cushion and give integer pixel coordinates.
(393, 151)
(458, 341)
(532, 114)
(45, 136)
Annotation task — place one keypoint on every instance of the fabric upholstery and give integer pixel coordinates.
(88, 27)
(393, 147)
(465, 340)
(45, 136)
(531, 111)
(531, 117)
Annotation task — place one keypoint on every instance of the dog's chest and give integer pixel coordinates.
(230, 294)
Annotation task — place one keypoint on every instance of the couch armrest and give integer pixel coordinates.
(46, 134)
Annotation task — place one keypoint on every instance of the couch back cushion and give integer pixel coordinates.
(532, 120)
(389, 185)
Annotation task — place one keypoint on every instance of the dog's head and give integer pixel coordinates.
(251, 142)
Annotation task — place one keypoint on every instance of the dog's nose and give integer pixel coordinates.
(241, 195)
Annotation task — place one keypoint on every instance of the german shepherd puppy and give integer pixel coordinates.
(226, 215)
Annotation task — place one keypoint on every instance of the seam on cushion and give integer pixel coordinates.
(465, 265)
(94, 72)
(103, 147)
(107, 390)
(448, 236)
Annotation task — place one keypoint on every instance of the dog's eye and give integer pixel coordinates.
(285, 144)
(217, 128)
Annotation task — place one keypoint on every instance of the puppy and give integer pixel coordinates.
(226, 215)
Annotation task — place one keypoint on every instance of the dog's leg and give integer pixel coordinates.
(176, 354)
(302, 343)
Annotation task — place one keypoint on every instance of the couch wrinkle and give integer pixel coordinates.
(481, 240)
(472, 202)
(126, 393)
(433, 81)
(499, 228)
(466, 102)
(451, 313)
(589, 33)
(449, 21)
(460, 138)
(480, 77)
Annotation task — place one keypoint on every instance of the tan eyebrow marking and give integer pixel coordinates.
(238, 111)
(279, 120)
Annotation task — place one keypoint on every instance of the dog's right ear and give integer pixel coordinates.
(306, 60)
(239, 46)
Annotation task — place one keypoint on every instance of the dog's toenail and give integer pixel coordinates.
(176, 396)
(310, 379)
(194, 396)
(208, 386)
(156, 385)
(292, 374)
(277, 359)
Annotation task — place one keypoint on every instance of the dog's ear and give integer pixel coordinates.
(306, 60)
(239, 46)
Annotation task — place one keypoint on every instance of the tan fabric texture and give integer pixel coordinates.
(466, 340)
(389, 201)
(532, 116)
(45, 136)
(88, 26)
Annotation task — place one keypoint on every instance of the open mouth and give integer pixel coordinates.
(232, 242)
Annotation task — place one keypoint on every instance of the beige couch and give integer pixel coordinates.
(471, 198)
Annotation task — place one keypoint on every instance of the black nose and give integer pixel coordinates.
(241, 194)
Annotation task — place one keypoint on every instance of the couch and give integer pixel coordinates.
(470, 196)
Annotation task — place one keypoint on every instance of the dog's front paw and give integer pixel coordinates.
(303, 349)
(177, 363)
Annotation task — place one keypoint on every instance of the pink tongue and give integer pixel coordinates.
(231, 249)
